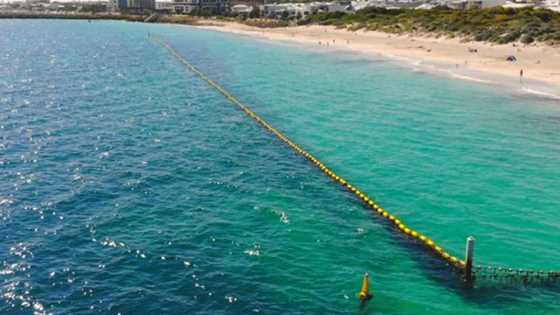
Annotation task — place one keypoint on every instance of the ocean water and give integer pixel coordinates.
(129, 186)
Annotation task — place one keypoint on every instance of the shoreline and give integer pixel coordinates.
(440, 56)
(478, 62)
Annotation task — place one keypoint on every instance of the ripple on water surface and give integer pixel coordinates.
(129, 186)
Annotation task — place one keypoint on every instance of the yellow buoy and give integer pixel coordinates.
(364, 292)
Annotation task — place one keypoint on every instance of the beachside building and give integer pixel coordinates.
(250, 3)
(136, 5)
(184, 6)
(164, 7)
(141, 4)
(201, 7)
(473, 4)
(516, 4)
(492, 3)
(112, 6)
(241, 9)
(463, 4)
(122, 4)
(426, 6)
(287, 10)
(302, 10)
(388, 4)
(331, 6)
(551, 5)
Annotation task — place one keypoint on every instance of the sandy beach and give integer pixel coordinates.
(474, 61)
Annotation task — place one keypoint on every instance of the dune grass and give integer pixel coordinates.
(497, 25)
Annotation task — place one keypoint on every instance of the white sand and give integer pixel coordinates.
(540, 63)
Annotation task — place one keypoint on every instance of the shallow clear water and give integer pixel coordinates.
(128, 185)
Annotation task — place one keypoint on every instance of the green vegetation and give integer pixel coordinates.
(497, 25)
(178, 19)
(266, 23)
(254, 21)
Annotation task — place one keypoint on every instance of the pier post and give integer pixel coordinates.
(469, 256)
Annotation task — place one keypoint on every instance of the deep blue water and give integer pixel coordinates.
(128, 185)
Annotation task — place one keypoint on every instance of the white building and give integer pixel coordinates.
(518, 4)
(427, 4)
(199, 6)
(551, 4)
(164, 6)
(241, 9)
(302, 10)
(492, 3)
(389, 4)
(472, 4)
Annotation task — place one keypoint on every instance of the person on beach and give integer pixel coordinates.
(521, 76)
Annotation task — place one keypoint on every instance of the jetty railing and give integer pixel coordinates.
(465, 267)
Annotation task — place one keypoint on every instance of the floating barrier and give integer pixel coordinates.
(470, 273)
(400, 226)
(505, 275)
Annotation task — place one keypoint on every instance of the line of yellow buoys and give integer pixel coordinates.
(423, 239)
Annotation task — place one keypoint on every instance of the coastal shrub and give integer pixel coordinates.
(502, 18)
(526, 39)
(266, 23)
(544, 15)
(509, 37)
(483, 36)
(498, 24)
(552, 38)
(357, 26)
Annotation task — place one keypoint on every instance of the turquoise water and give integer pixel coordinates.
(128, 185)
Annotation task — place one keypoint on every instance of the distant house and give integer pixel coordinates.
(361, 4)
(201, 7)
(164, 7)
(241, 9)
(112, 5)
(245, 6)
(184, 6)
(462, 4)
(331, 6)
(281, 10)
(122, 4)
(551, 4)
(302, 10)
(141, 5)
(492, 3)
(136, 5)
(250, 3)
(473, 4)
